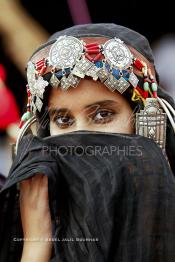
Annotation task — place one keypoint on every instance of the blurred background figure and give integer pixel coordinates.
(24, 25)
(9, 121)
(164, 52)
(20, 35)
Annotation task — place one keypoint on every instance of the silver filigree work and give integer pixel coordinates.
(151, 122)
(54, 81)
(113, 84)
(133, 79)
(37, 87)
(65, 52)
(92, 72)
(82, 67)
(102, 74)
(117, 53)
(69, 81)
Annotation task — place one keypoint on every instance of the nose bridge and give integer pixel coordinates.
(81, 121)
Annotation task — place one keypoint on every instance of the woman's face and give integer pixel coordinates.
(90, 106)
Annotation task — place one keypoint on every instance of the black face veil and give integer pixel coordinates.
(111, 197)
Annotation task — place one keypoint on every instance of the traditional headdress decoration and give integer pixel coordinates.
(70, 59)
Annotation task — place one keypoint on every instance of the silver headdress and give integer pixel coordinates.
(69, 59)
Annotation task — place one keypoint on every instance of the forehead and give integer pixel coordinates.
(87, 92)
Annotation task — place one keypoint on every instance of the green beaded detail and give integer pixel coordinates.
(154, 87)
(26, 116)
(146, 86)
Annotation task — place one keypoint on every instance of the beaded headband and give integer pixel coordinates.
(69, 59)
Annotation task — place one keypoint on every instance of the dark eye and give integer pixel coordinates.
(103, 116)
(63, 121)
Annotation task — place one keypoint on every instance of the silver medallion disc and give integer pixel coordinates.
(65, 52)
(117, 53)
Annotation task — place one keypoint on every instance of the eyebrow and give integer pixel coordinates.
(97, 103)
(102, 103)
(58, 110)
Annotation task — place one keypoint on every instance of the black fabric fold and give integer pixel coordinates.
(112, 197)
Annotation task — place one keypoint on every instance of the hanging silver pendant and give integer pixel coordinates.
(33, 107)
(82, 67)
(37, 87)
(64, 83)
(133, 79)
(38, 103)
(93, 72)
(113, 84)
(117, 53)
(67, 82)
(151, 122)
(102, 74)
(31, 74)
(73, 80)
(65, 52)
(122, 85)
(54, 81)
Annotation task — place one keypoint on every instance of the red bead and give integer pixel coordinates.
(43, 69)
(138, 64)
(40, 64)
(154, 94)
(93, 51)
(89, 57)
(91, 45)
(21, 124)
(145, 94)
(97, 57)
(42, 61)
(28, 92)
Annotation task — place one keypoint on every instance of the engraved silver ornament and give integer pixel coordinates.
(65, 52)
(37, 87)
(117, 53)
(151, 122)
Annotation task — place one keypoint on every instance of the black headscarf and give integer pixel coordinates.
(129, 36)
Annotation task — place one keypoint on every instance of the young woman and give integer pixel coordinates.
(96, 183)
